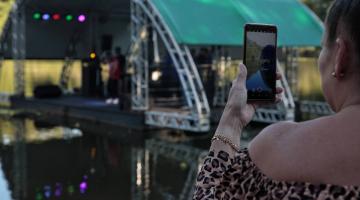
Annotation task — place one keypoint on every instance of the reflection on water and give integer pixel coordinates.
(40, 161)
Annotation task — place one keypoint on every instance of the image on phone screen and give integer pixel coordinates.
(261, 64)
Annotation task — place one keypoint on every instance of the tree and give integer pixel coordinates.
(320, 7)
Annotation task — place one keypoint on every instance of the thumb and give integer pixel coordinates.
(241, 78)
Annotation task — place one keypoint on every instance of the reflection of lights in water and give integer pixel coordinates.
(138, 173)
(58, 190)
(41, 135)
(38, 196)
(47, 191)
(70, 133)
(147, 172)
(183, 165)
(70, 190)
(83, 185)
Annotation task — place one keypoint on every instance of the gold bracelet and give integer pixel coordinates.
(227, 141)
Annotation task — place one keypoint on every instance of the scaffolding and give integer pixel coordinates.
(18, 44)
(144, 16)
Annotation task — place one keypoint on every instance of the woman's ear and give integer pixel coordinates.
(342, 61)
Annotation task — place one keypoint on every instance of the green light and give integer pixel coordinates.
(37, 16)
(69, 17)
(71, 189)
(39, 196)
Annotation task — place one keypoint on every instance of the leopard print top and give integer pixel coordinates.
(236, 177)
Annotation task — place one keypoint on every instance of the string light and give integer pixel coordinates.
(46, 17)
(69, 17)
(37, 16)
(56, 17)
(81, 18)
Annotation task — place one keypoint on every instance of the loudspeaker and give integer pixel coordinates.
(106, 43)
(47, 91)
(91, 84)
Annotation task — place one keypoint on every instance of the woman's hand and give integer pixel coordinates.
(238, 113)
(237, 106)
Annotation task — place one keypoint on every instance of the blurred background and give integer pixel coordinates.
(118, 99)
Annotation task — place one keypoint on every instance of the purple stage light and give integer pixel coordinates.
(81, 18)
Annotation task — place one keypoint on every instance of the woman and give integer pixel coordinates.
(317, 159)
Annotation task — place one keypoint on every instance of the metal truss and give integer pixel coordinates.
(3, 36)
(176, 120)
(283, 111)
(144, 177)
(68, 62)
(4, 97)
(138, 58)
(66, 73)
(315, 107)
(18, 45)
(198, 117)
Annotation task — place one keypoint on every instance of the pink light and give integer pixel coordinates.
(83, 187)
(81, 18)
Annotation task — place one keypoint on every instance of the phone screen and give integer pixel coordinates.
(260, 60)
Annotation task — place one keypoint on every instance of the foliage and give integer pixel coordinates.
(320, 7)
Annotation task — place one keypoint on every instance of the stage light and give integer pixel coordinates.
(81, 18)
(155, 75)
(69, 17)
(46, 17)
(56, 17)
(92, 55)
(37, 16)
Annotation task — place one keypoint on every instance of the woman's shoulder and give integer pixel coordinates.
(299, 188)
(223, 175)
(307, 151)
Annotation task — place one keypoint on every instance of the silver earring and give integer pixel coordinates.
(335, 75)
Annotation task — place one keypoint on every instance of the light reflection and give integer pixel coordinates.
(138, 173)
(83, 185)
(34, 134)
(47, 191)
(58, 189)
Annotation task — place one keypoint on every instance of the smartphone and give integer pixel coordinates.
(260, 43)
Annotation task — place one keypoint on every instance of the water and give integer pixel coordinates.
(43, 161)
